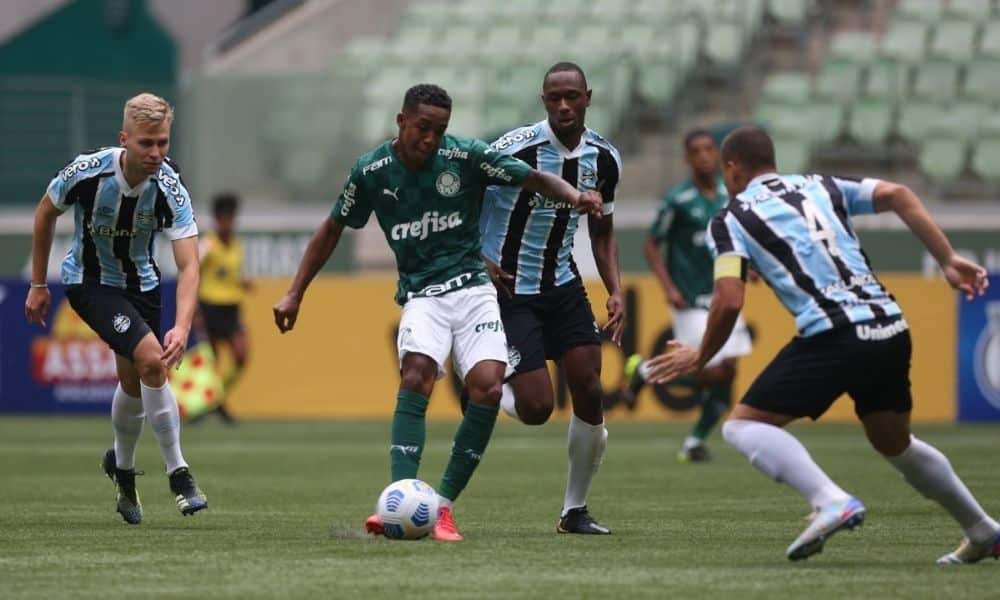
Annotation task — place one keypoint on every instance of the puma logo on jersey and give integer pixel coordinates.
(394, 193)
(431, 222)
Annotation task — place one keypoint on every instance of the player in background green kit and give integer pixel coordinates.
(685, 274)
(426, 190)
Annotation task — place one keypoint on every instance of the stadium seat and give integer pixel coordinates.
(827, 120)
(989, 42)
(610, 13)
(936, 80)
(789, 12)
(658, 81)
(857, 46)
(871, 120)
(916, 119)
(839, 80)
(500, 117)
(428, 14)
(656, 12)
(786, 88)
(905, 41)
(637, 37)
(973, 10)
(498, 44)
(942, 158)
(982, 80)
(954, 40)
(792, 153)
(888, 78)
(723, 43)
(986, 159)
(962, 120)
(924, 11)
(564, 9)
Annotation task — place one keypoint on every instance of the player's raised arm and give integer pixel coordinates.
(962, 274)
(320, 247)
(36, 306)
(555, 187)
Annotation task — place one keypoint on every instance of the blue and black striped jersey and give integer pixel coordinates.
(530, 236)
(115, 224)
(796, 230)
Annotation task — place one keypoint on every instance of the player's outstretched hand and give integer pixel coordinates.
(966, 276)
(36, 306)
(590, 202)
(500, 278)
(616, 318)
(174, 344)
(286, 311)
(679, 359)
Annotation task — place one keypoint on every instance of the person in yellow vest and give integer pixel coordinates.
(223, 289)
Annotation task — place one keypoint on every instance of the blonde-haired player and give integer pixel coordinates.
(121, 197)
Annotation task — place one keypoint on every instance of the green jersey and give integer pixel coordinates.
(430, 217)
(681, 225)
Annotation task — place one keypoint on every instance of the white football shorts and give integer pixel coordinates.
(689, 327)
(465, 322)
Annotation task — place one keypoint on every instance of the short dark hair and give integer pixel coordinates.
(426, 93)
(696, 133)
(562, 67)
(225, 203)
(749, 146)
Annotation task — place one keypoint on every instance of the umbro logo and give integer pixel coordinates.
(394, 193)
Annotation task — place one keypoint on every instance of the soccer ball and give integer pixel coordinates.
(408, 509)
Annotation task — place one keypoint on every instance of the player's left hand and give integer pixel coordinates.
(590, 202)
(679, 359)
(174, 344)
(616, 318)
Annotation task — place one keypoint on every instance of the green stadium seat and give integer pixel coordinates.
(942, 158)
(786, 88)
(658, 81)
(564, 9)
(857, 46)
(789, 12)
(973, 10)
(391, 81)
(839, 80)
(416, 36)
(723, 43)
(986, 159)
(500, 117)
(473, 13)
(592, 39)
(548, 37)
(936, 80)
(925, 11)
(609, 12)
(429, 14)
(962, 120)
(905, 41)
(499, 43)
(466, 120)
(601, 119)
(637, 37)
(954, 40)
(989, 43)
(827, 120)
(871, 120)
(792, 153)
(916, 119)
(888, 78)
(656, 12)
(457, 36)
(982, 80)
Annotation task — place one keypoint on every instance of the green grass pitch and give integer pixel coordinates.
(287, 501)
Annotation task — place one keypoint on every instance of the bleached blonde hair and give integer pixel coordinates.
(147, 108)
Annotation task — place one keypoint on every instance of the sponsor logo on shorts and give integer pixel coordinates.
(986, 357)
(867, 333)
(437, 289)
(513, 356)
(448, 184)
(121, 323)
(489, 326)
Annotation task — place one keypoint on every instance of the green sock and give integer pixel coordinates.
(714, 403)
(408, 434)
(470, 443)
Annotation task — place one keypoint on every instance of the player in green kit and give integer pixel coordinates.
(686, 279)
(426, 190)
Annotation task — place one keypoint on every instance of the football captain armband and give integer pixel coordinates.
(730, 265)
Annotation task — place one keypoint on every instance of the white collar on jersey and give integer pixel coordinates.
(563, 150)
(131, 192)
(760, 179)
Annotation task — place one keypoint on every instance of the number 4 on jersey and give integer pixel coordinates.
(819, 228)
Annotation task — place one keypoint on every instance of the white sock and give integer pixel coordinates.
(443, 502)
(586, 444)
(777, 454)
(126, 421)
(161, 408)
(508, 403)
(929, 472)
(691, 442)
